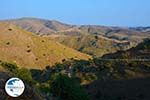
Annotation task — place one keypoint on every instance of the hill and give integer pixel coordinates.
(95, 45)
(133, 89)
(108, 78)
(105, 78)
(123, 75)
(29, 50)
(39, 26)
(95, 40)
(42, 26)
(141, 51)
(134, 35)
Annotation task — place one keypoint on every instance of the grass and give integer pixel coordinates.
(31, 51)
(90, 44)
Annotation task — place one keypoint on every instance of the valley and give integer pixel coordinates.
(59, 61)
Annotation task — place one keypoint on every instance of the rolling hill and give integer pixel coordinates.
(31, 51)
(39, 26)
(95, 45)
(95, 40)
(42, 26)
(126, 75)
(141, 51)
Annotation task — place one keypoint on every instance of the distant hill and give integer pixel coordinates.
(133, 34)
(42, 26)
(141, 51)
(141, 29)
(31, 51)
(95, 40)
(39, 26)
(95, 45)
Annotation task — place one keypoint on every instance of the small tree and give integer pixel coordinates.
(25, 74)
(66, 88)
(10, 67)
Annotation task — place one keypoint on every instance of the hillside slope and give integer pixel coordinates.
(31, 51)
(95, 45)
(141, 51)
(42, 26)
(39, 26)
(95, 40)
(123, 75)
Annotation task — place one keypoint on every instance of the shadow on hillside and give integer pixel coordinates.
(133, 89)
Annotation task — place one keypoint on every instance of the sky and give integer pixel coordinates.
(79, 12)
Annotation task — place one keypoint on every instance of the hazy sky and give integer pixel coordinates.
(101, 12)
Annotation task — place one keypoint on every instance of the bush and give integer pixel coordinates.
(10, 67)
(44, 88)
(25, 74)
(66, 88)
(22, 73)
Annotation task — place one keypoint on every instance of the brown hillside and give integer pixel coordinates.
(31, 51)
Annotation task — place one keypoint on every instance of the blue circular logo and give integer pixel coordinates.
(14, 87)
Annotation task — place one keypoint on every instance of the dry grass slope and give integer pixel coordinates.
(95, 45)
(31, 51)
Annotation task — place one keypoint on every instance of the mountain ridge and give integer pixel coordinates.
(117, 38)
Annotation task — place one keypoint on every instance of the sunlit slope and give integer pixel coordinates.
(31, 51)
(95, 45)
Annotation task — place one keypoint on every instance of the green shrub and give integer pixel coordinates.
(22, 73)
(25, 74)
(66, 88)
(44, 87)
(10, 67)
